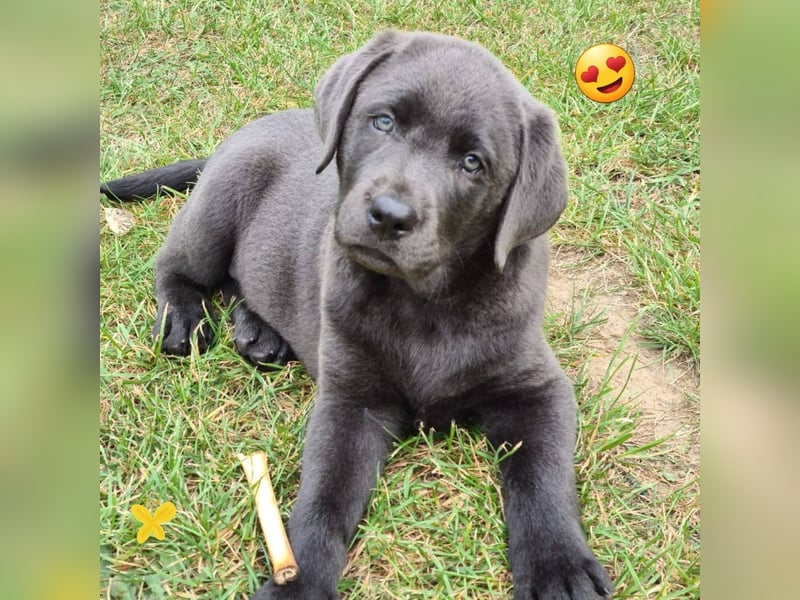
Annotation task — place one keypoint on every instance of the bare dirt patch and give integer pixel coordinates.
(665, 393)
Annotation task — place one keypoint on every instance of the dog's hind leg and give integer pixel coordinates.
(184, 311)
(255, 339)
(191, 265)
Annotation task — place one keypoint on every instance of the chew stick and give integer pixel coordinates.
(284, 566)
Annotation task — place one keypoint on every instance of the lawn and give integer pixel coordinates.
(176, 79)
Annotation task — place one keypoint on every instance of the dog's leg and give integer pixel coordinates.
(346, 446)
(191, 265)
(184, 314)
(255, 339)
(547, 549)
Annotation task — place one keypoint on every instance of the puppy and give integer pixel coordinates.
(410, 279)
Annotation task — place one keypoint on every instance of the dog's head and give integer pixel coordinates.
(439, 150)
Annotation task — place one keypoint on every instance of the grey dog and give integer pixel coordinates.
(410, 281)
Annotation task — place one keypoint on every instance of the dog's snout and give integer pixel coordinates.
(390, 217)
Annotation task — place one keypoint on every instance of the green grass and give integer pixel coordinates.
(176, 79)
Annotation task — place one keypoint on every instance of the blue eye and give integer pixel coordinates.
(383, 123)
(471, 164)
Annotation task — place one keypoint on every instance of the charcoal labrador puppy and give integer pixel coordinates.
(410, 280)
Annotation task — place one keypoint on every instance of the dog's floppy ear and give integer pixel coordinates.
(538, 194)
(336, 91)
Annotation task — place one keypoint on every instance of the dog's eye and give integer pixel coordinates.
(383, 123)
(471, 164)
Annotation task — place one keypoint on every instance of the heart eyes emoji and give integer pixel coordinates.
(604, 73)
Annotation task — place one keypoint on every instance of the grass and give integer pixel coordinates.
(176, 79)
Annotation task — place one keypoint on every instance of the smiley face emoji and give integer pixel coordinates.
(604, 73)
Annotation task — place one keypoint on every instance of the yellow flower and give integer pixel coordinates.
(152, 523)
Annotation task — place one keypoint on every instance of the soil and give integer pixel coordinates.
(664, 392)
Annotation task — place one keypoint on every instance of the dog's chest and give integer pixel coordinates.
(440, 354)
(431, 352)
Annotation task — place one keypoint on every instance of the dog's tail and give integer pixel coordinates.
(178, 177)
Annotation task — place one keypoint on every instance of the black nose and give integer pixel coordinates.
(390, 218)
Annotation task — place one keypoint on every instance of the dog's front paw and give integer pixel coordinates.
(576, 576)
(294, 590)
(181, 325)
(257, 341)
